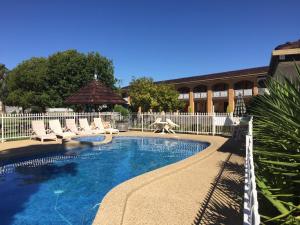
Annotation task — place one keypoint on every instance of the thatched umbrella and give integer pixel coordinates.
(95, 94)
(240, 108)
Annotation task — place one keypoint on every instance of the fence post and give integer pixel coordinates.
(197, 122)
(142, 122)
(250, 126)
(213, 124)
(2, 128)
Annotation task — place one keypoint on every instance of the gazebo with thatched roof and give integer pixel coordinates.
(95, 94)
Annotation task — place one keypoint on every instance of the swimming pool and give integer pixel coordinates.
(97, 138)
(67, 187)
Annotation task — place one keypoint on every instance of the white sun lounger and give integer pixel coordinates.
(39, 131)
(170, 126)
(71, 125)
(158, 125)
(99, 125)
(58, 131)
(84, 125)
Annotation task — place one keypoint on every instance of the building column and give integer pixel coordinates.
(209, 100)
(128, 100)
(231, 97)
(191, 101)
(255, 88)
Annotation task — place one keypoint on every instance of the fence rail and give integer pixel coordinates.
(18, 126)
(193, 123)
(251, 215)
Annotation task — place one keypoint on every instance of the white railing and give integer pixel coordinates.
(18, 126)
(183, 96)
(219, 94)
(200, 95)
(193, 123)
(251, 215)
(243, 92)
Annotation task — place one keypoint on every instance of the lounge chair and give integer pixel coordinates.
(71, 125)
(84, 125)
(39, 131)
(99, 125)
(58, 131)
(158, 125)
(170, 126)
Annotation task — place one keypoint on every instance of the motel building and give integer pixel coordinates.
(218, 92)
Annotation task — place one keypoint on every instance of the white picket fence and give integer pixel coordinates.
(18, 126)
(251, 215)
(193, 123)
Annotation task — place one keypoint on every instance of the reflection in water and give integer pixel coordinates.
(41, 173)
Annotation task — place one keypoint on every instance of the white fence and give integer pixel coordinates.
(193, 123)
(251, 215)
(18, 126)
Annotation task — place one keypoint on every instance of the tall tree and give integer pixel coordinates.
(46, 82)
(3, 73)
(70, 70)
(26, 84)
(146, 94)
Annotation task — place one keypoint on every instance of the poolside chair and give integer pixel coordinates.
(39, 131)
(99, 125)
(58, 131)
(71, 125)
(170, 126)
(84, 125)
(158, 126)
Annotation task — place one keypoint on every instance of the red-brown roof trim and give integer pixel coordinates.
(289, 45)
(235, 73)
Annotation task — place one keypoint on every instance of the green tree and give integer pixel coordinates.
(3, 73)
(166, 98)
(141, 93)
(47, 82)
(277, 151)
(26, 84)
(145, 93)
(70, 70)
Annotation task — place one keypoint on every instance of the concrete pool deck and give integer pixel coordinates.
(197, 190)
(178, 194)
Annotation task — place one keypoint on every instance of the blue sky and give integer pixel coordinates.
(162, 39)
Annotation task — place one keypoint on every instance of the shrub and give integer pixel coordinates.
(122, 110)
(277, 151)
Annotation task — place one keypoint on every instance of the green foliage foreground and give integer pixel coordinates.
(277, 151)
(145, 93)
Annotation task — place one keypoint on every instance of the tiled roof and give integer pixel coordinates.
(95, 93)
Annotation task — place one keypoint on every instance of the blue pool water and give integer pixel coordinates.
(97, 138)
(67, 187)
